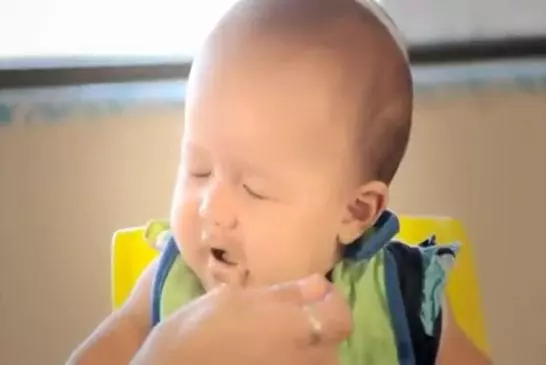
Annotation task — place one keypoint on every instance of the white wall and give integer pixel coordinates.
(425, 21)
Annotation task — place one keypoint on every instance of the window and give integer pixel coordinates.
(175, 28)
(105, 28)
(433, 21)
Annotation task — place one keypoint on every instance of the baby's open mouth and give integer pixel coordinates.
(222, 256)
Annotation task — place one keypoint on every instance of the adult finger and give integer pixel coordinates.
(305, 291)
(319, 324)
(331, 317)
(315, 288)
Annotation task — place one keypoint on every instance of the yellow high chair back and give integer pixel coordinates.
(131, 254)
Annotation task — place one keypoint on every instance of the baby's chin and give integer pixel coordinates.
(242, 279)
(212, 282)
(219, 273)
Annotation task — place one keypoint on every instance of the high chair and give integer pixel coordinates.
(131, 253)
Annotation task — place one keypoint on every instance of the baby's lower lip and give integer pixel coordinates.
(223, 273)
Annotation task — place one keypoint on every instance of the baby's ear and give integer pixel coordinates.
(366, 205)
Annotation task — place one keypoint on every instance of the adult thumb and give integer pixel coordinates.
(334, 315)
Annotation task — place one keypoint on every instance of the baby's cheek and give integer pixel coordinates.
(311, 254)
(277, 261)
(185, 207)
(186, 229)
(287, 243)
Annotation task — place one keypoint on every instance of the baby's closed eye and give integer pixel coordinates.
(255, 193)
(203, 174)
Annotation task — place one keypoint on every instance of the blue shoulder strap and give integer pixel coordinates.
(166, 261)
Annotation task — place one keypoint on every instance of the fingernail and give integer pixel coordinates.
(310, 280)
(315, 287)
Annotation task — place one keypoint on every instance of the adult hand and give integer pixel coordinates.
(296, 323)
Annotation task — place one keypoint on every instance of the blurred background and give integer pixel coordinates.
(91, 111)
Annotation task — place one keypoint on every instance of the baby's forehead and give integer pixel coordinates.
(309, 90)
(296, 114)
(294, 74)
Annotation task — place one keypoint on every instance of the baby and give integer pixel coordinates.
(297, 116)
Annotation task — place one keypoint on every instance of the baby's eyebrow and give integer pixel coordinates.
(259, 171)
(193, 148)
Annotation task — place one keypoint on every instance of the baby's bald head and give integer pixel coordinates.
(351, 53)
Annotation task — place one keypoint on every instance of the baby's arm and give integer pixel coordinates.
(455, 347)
(118, 338)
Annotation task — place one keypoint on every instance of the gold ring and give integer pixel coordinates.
(316, 324)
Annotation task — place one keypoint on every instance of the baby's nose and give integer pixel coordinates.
(217, 208)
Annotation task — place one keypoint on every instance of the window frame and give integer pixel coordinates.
(31, 73)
